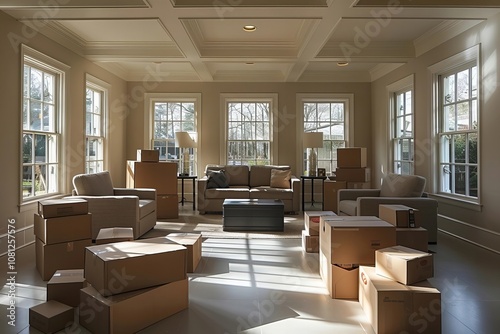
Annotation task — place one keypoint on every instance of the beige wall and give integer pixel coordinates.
(211, 109)
(10, 111)
(479, 224)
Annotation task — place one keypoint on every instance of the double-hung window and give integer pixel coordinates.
(43, 83)
(171, 113)
(249, 130)
(95, 125)
(328, 114)
(457, 126)
(458, 131)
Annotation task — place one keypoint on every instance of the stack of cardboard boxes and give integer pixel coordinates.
(310, 235)
(346, 242)
(352, 167)
(132, 284)
(395, 294)
(149, 172)
(407, 220)
(63, 228)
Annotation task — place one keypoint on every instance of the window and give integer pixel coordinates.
(328, 114)
(173, 113)
(457, 125)
(249, 129)
(43, 84)
(95, 117)
(402, 126)
(458, 132)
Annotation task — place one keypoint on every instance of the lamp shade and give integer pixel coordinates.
(184, 140)
(312, 139)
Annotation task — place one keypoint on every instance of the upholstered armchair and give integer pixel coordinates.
(395, 189)
(116, 207)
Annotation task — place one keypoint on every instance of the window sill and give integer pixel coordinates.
(462, 203)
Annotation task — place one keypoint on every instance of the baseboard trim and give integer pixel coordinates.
(479, 236)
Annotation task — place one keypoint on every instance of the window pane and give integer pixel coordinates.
(459, 148)
(27, 148)
(449, 118)
(446, 148)
(36, 84)
(48, 88)
(460, 180)
(463, 85)
(463, 116)
(52, 149)
(36, 116)
(40, 148)
(474, 82)
(449, 89)
(473, 148)
(473, 181)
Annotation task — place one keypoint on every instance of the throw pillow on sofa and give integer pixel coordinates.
(217, 179)
(280, 178)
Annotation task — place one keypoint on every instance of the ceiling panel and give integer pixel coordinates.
(117, 30)
(432, 3)
(74, 3)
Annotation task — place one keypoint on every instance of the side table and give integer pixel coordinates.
(188, 177)
(312, 178)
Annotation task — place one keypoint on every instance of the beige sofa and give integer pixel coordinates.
(116, 207)
(395, 189)
(247, 182)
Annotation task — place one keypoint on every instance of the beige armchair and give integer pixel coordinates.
(116, 207)
(395, 189)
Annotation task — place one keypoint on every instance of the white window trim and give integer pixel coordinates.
(460, 59)
(98, 84)
(63, 71)
(348, 99)
(407, 83)
(272, 98)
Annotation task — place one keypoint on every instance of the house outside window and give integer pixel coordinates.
(43, 87)
(95, 126)
(328, 114)
(403, 135)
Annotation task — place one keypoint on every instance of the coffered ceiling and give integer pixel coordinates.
(294, 40)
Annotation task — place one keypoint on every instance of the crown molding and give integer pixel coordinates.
(440, 34)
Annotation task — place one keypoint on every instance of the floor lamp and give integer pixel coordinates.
(312, 140)
(184, 142)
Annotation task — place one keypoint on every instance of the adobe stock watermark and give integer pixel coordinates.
(11, 271)
(32, 27)
(363, 35)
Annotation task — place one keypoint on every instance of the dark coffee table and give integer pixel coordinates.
(253, 215)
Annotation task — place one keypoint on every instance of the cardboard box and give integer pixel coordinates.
(310, 243)
(416, 238)
(340, 280)
(403, 264)
(62, 229)
(51, 316)
(359, 185)
(353, 174)
(131, 265)
(133, 311)
(51, 208)
(330, 194)
(192, 241)
(64, 286)
(167, 206)
(161, 176)
(114, 234)
(311, 220)
(400, 215)
(354, 239)
(392, 307)
(351, 157)
(64, 255)
(148, 155)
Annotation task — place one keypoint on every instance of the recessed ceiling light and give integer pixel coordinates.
(342, 63)
(249, 27)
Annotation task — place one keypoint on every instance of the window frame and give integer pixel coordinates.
(270, 98)
(347, 99)
(102, 87)
(454, 64)
(401, 86)
(36, 59)
(149, 118)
